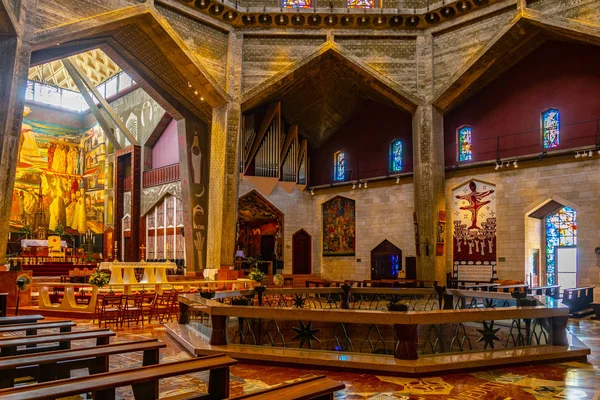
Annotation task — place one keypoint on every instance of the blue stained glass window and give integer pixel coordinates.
(396, 156)
(551, 128)
(297, 3)
(561, 230)
(465, 140)
(340, 166)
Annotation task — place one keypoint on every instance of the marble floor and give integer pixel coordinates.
(569, 380)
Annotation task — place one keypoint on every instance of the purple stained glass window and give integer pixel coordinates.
(297, 3)
(551, 128)
(561, 230)
(465, 140)
(360, 3)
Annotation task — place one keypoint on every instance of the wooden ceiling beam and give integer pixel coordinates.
(76, 72)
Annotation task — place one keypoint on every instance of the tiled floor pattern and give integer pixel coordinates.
(572, 380)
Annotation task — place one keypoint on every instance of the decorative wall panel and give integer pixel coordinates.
(339, 227)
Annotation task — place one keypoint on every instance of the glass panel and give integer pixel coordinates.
(297, 3)
(111, 86)
(465, 152)
(29, 90)
(102, 89)
(125, 81)
(566, 260)
(551, 128)
(340, 166)
(361, 3)
(561, 230)
(396, 156)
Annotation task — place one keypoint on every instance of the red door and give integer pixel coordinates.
(301, 253)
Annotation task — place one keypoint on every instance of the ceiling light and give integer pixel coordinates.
(201, 98)
(515, 164)
(196, 92)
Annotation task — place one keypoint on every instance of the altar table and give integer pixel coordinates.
(39, 243)
(124, 272)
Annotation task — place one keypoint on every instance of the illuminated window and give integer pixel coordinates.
(360, 3)
(465, 140)
(340, 166)
(396, 156)
(297, 3)
(551, 128)
(561, 230)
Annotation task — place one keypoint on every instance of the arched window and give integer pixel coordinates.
(339, 165)
(464, 141)
(297, 3)
(396, 156)
(551, 128)
(561, 231)
(360, 3)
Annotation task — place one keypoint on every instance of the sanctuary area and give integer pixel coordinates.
(299, 199)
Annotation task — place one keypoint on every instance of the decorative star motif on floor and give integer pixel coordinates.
(306, 334)
(488, 335)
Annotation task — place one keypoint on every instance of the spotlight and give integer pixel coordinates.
(312, 192)
(189, 84)
(497, 166)
(501, 164)
(590, 154)
(359, 185)
(584, 154)
(599, 152)
(577, 155)
(507, 164)
(353, 186)
(365, 185)
(196, 92)
(515, 164)
(398, 180)
(201, 98)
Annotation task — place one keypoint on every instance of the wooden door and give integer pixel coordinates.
(386, 261)
(301, 253)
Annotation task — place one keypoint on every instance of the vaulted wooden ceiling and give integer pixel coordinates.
(97, 65)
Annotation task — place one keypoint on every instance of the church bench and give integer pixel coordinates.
(481, 286)
(520, 287)
(549, 290)
(21, 319)
(9, 346)
(144, 381)
(31, 328)
(578, 300)
(52, 365)
(316, 388)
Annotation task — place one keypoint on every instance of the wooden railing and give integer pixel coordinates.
(162, 175)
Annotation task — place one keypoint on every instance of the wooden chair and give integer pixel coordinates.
(161, 308)
(110, 310)
(131, 309)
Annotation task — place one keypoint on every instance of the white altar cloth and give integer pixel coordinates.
(124, 272)
(39, 243)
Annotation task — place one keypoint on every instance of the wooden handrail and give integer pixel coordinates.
(162, 175)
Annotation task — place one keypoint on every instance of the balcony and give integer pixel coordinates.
(160, 176)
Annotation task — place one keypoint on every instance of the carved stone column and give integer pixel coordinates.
(429, 177)
(14, 65)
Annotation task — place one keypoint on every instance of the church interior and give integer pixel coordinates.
(299, 199)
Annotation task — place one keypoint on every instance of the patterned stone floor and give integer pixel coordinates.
(572, 380)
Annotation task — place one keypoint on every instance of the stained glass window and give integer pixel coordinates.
(396, 156)
(297, 3)
(551, 128)
(340, 166)
(465, 140)
(360, 3)
(561, 230)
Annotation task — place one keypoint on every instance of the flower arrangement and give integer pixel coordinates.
(99, 279)
(256, 275)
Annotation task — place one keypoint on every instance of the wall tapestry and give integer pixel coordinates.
(474, 240)
(339, 229)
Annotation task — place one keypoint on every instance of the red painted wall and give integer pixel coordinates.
(556, 75)
(365, 139)
(166, 150)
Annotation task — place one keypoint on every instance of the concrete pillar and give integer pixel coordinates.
(14, 65)
(429, 178)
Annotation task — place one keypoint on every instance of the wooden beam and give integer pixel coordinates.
(74, 69)
(8, 23)
(564, 27)
(106, 127)
(272, 111)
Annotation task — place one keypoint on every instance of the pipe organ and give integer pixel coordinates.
(272, 152)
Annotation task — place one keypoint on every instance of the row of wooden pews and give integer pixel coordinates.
(49, 359)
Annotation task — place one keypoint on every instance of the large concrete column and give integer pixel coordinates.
(14, 64)
(224, 178)
(429, 177)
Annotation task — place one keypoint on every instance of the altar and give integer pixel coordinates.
(124, 272)
(39, 243)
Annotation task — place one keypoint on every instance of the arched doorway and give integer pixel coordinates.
(301, 253)
(386, 261)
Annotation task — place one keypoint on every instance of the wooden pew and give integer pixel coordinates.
(144, 381)
(8, 345)
(550, 291)
(21, 319)
(32, 328)
(317, 388)
(521, 287)
(578, 300)
(52, 365)
(481, 287)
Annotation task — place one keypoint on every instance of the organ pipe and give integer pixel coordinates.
(267, 158)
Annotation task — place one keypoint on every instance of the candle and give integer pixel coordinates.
(115, 243)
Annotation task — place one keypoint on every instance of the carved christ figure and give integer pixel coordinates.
(475, 202)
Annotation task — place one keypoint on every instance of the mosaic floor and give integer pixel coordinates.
(572, 380)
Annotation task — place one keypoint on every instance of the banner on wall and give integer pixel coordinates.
(474, 235)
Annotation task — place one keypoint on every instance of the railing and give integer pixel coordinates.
(127, 183)
(162, 175)
(357, 320)
(577, 135)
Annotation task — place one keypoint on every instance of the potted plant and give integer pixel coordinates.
(395, 305)
(99, 279)
(257, 275)
(26, 229)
